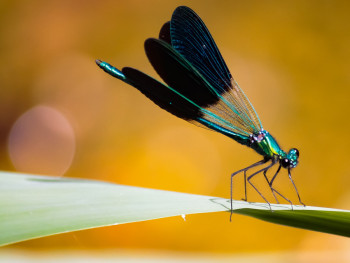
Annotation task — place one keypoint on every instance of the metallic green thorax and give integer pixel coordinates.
(268, 146)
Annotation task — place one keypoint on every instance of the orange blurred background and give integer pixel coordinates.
(291, 58)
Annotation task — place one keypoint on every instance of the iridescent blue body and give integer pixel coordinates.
(201, 90)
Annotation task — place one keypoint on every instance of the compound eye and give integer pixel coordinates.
(296, 151)
(285, 162)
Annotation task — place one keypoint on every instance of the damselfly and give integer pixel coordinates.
(200, 89)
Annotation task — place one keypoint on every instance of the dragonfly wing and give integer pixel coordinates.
(188, 83)
(191, 38)
(161, 95)
(171, 101)
(164, 33)
(178, 73)
(188, 94)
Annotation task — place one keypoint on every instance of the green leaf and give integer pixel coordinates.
(35, 206)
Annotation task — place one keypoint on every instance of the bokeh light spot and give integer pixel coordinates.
(42, 141)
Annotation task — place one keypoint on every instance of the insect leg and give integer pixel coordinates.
(296, 190)
(245, 186)
(267, 180)
(245, 177)
(277, 192)
(261, 170)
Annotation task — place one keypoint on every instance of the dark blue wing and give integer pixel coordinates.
(191, 38)
(169, 98)
(178, 73)
(162, 95)
(199, 88)
(186, 81)
(164, 33)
